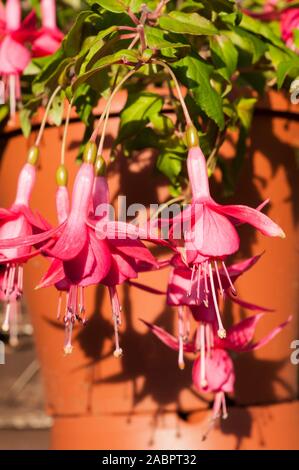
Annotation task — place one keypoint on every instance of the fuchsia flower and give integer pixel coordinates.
(289, 22)
(211, 235)
(49, 36)
(14, 55)
(86, 254)
(213, 369)
(18, 221)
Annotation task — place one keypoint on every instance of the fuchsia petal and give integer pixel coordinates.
(102, 255)
(167, 338)
(47, 43)
(214, 235)
(134, 249)
(71, 241)
(31, 239)
(13, 14)
(62, 203)
(240, 335)
(181, 291)
(205, 314)
(248, 305)
(219, 372)
(14, 57)
(54, 275)
(121, 269)
(237, 269)
(267, 338)
(253, 217)
(48, 10)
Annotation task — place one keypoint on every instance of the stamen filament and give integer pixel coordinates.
(221, 330)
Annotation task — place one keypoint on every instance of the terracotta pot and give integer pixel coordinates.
(142, 400)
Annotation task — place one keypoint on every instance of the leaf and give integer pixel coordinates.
(138, 111)
(72, 42)
(249, 44)
(187, 23)
(170, 164)
(120, 56)
(57, 108)
(158, 39)
(224, 55)
(195, 74)
(116, 6)
(25, 115)
(245, 108)
(284, 69)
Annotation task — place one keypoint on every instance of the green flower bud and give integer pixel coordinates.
(33, 155)
(192, 137)
(100, 166)
(61, 176)
(90, 152)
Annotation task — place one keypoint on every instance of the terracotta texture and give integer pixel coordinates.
(105, 392)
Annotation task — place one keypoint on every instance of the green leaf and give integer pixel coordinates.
(195, 74)
(187, 23)
(170, 164)
(57, 108)
(116, 6)
(224, 55)
(139, 110)
(251, 46)
(72, 42)
(245, 108)
(120, 56)
(284, 69)
(158, 39)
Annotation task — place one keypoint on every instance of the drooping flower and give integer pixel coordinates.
(14, 55)
(209, 231)
(49, 37)
(289, 22)
(18, 221)
(88, 249)
(213, 369)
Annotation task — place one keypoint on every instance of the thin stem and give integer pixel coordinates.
(106, 112)
(179, 91)
(44, 120)
(63, 144)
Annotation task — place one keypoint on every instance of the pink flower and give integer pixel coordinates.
(49, 36)
(213, 369)
(18, 221)
(210, 235)
(289, 22)
(14, 55)
(84, 253)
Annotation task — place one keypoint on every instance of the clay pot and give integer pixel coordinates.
(143, 400)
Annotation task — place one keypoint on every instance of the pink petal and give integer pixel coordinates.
(14, 57)
(240, 335)
(253, 217)
(167, 338)
(213, 234)
(267, 338)
(135, 249)
(71, 240)
(219, 372)
(54, 275)
(248, 305)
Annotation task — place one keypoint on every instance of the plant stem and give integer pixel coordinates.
(44, 120)
(179, 91)
(105, 113)
(63, 144)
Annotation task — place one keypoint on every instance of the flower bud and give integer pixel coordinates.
(61, 176)
(90, 152)
(33, 155)
(100, 166)
(192, 137)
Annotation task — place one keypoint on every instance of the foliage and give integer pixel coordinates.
(223, 58)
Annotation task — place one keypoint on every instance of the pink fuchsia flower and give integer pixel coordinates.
(49, 36)
(84, 253)
(14, 55)
(18, 221)
(289, 22)
(210, 235)
(213, 369)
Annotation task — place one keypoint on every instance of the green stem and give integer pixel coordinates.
(63, 144)
(179, 91)
(44, 120)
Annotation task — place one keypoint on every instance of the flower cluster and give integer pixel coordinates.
(88, 248)
(22, 39)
